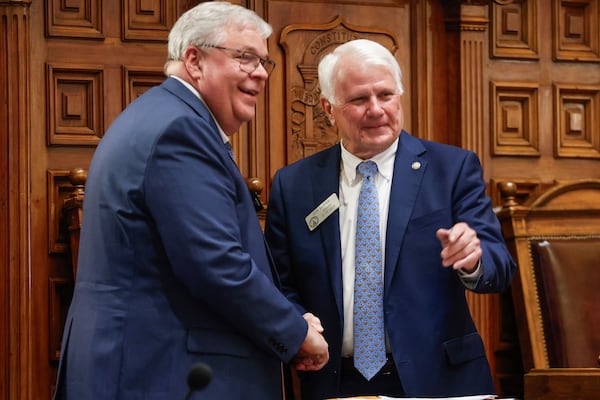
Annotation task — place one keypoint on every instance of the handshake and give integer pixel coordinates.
(313, 353)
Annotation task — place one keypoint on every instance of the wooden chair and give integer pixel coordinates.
(555, 239)
(73, 210)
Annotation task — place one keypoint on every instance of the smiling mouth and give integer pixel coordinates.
(250, 92)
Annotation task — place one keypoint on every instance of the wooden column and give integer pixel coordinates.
(467, 23)
(15, 271)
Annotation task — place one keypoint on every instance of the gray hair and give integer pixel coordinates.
(363, 51)
(209, 24)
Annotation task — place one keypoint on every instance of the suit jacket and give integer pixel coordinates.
(435, 345)
(173, 267)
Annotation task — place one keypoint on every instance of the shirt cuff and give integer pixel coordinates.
(470, 279)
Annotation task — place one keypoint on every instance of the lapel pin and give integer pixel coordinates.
(416, 165)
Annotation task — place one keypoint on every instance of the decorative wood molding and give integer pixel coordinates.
(80, 19)
(576, 120)
(576, 30)
(136, 80)
(148, 20)
(514, 118)
(514, 30)
(16, 298)
(75, 101)
(309, 129)
(472, 24)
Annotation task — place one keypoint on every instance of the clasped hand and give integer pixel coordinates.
(314, 352)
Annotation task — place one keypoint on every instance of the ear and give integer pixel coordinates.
(327, 107)
(193, 59)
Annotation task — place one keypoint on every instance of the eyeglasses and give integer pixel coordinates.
(248, 60)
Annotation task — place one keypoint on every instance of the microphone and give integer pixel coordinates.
(198, 377)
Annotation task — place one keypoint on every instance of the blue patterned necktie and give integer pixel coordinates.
(369, 336)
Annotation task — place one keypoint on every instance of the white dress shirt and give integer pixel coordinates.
(350, 183)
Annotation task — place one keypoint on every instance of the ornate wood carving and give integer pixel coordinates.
(148, 20)
(310, 130)
(577, 120)
(576, 30)
(514, 30)
(514, 122)
(74, 18)
(75, 104)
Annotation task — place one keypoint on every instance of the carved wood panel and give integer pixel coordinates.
(303, 33)
(309, 129)
(514, 109)
(576, 30)
(75, 101)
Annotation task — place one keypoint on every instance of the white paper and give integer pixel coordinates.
(477, 397)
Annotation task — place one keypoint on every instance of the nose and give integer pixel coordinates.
(374, 107)
(259, 72)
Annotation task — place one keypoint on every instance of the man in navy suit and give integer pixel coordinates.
(173, 267)
(438, 237)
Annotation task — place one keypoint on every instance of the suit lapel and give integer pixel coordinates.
(409, 168)
(326, 182)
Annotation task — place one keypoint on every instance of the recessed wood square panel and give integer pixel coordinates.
(136, 80)
(75, 105)
(577, 121)
(74, 18)
(515, 30)
(148, 19)
(59, 189)
(576, 27)
(515, 116)
(60, 291)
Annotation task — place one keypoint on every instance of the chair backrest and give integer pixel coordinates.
(555, 238)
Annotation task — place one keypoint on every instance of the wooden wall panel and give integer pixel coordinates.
(75, 100)
(307, 127)
(304, 31)
(476, 73)
(577, 120)
(543, 103)
(74, 18)
(576, 30)
(514, 113)
(515, 31)
(148, 20)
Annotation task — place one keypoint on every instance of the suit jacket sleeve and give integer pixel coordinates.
(472, 206)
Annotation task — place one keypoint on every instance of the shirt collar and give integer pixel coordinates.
(384, 161)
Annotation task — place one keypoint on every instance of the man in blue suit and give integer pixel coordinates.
(173, 267)
(438, 236)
